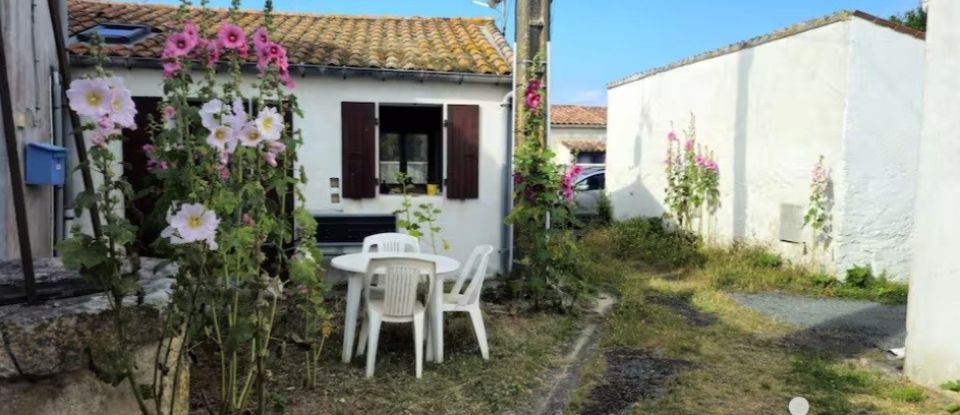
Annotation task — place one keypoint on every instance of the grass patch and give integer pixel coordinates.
(755, 269)
(523, 350)
(737, 364)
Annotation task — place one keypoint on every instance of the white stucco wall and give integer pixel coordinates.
(933, 329)
(561, 153)
(465, 223)
(767, 113)
(881, 144)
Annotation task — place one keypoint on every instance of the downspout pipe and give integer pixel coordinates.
(56, 21)
(506, 240)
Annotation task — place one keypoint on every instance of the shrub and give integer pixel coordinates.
(859, 276)
(604, 210)
(768, 260)
(648, 240)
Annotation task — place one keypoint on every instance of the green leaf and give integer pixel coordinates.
(953, 385)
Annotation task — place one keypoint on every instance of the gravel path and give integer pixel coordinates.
(832, 325)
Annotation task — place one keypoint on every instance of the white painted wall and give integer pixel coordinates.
(933, 328)
(881, 145)
(465, 223)
(768, 112)
(558, 134)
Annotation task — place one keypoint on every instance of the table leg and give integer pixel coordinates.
(437, 315)
(354, 286)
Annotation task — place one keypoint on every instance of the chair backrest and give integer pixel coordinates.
(391, 242)
(400, 278)
(476, 270)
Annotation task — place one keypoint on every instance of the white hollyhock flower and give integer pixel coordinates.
(122, 108)
(90, 97)
(270, 124)
(209, 113)
(250, 135)
(192, 223)
(223, 138)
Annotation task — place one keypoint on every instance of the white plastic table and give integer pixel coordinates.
(356, 265)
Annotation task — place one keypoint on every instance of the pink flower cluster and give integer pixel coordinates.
(820, 176)
(567, 183)
(187, 43)
(706, 163)
(230, 126)
(533, 97)
(105, 103)
(154, 164)
(272, 53)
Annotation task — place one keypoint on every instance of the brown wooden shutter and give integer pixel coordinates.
(463, 151)
(357, 126)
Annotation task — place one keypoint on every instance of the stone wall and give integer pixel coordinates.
(49, 362)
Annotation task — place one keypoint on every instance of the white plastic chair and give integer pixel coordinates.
(461, 299)
(400, 279)
(391, 242)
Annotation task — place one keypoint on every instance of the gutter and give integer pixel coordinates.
(323, 70)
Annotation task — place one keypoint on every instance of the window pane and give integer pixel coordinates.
(389, 157)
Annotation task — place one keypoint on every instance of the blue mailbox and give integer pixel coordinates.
(46, 164)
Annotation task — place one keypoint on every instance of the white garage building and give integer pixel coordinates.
(848, 86)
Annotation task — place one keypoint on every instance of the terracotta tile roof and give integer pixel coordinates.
(786, 32)
(423, 44)
(578, 116)
(579, 146)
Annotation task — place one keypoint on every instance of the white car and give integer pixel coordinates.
(588, 187)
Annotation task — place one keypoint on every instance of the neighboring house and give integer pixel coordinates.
(848, 87)
(379, 95)
(578, 133)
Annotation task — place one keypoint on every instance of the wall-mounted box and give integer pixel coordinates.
(46, 164)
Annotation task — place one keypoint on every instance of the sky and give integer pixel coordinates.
(595, 42)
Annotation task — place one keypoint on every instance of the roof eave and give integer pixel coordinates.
(344, 72)
(841, 16)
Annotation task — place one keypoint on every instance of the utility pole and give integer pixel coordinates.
(532, 37)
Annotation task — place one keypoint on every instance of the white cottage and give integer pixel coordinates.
(578, 133)
(848, 87)
(379, 95)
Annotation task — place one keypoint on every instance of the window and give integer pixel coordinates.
(414, 140)
(591, 157)
(115, 33)
(411, 144)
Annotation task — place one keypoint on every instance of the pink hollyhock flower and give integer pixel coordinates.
(105, 123)
(671, 136)
(213, 54)
(171, 68)
(288, 82)
(169, 112)
(178, 44)
(517, 178)
(530, 194)
(248, 220)
(274, 148)
(712, 165)
(260, 39)
(534, 86)
(224, 172)
(89, 97)
(688, 146)
(533, 101)
(231, 36)
(190, 30)
(273, 50)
